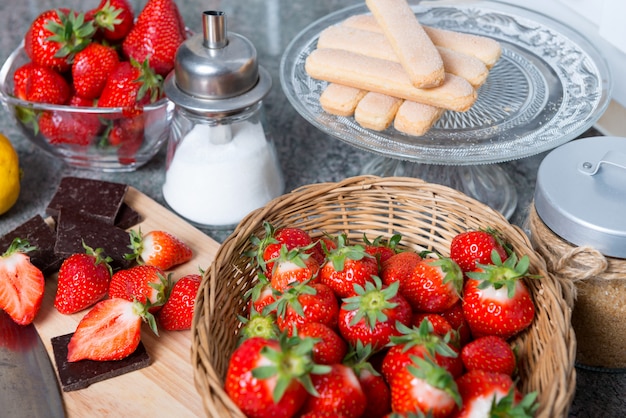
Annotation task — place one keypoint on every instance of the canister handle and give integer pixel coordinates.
(615, 158)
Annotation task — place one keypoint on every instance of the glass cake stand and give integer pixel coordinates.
(550, 85)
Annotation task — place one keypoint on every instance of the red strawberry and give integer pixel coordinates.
(293, 266)
(109, 331)
(488, 394)
(60, 127)
(91, 69)
(329, 347)
(271, 378)
(339, 392)
(305, 302)
(347, 266)
(261, 294)
(489, 353)
(371, 317)
(455, 317)
(78, 101)
(399, 266)
(440, 325)
(37, 83)
(420, 342)
(268, 248)
(156, 36)
(426, 387)
(21, 283)
(495, 299)
(374, 386)
(55, 36)
(83, 280)
(434, 285)
(177, 312)
(131, 85)
(113, 19)
(382, 248)
(159, 249)
(128, 135)
(471, 247)
(148, 284)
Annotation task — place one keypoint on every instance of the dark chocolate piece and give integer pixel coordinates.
(74, 228)
(96, 198)
(127, 217)
(80, 374)
(39, 234)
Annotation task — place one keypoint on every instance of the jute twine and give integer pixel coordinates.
(574, 263)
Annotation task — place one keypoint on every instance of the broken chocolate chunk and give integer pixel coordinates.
(80, 374)
(74, 228)
(127, 217)
(96, 198)
(40, 235)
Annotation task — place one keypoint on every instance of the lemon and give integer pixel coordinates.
(9, 175)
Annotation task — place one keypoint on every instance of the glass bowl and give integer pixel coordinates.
(117, 140)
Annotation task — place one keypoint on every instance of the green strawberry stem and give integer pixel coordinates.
(371, 301)
(293, 360)
(436, 376)
(19, 245)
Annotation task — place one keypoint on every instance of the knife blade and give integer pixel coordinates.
(28, 383)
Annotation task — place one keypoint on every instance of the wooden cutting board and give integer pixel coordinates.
(166, 387)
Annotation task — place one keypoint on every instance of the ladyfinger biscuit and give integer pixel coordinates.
(340, 100)
(375, 44)
(485, 49)
(415, 118)
(409, 41)
(376, 111)
(387, 77)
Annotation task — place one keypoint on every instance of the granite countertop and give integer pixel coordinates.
(306, 154)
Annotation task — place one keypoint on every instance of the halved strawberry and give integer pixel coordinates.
(83, 280)
(21, 283)
(158, 248)
(109, 331)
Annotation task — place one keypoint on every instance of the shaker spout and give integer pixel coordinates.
(214, 29)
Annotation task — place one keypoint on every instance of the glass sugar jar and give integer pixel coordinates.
(578, 226)
(221, 160)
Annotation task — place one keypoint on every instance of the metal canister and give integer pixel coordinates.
(578, 224)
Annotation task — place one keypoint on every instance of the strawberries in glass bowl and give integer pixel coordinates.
(94, 101)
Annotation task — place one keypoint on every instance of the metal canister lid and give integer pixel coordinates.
(217, 70)
(581, 193)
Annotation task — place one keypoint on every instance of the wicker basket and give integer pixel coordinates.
(427, 216)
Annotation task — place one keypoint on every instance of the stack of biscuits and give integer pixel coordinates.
(387, 68)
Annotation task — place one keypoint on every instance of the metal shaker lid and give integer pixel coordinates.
(581, 193)
(216, 71)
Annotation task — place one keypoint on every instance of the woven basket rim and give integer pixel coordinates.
(335, 205)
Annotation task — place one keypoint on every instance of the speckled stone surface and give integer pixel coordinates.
(306, 154)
